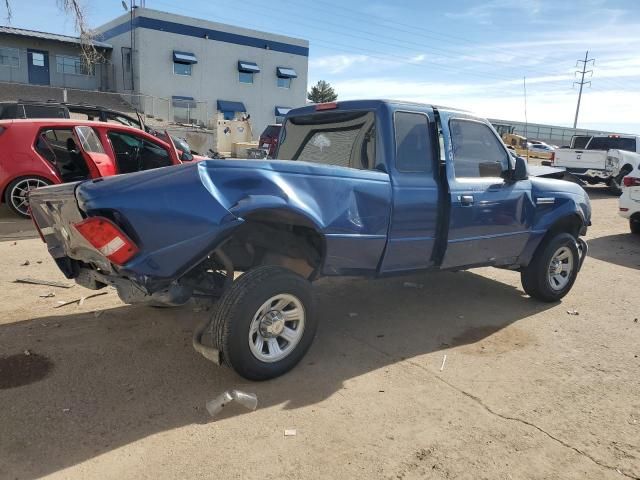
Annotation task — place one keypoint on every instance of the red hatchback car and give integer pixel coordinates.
(39, 152)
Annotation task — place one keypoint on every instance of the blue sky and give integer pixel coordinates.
(468, 54)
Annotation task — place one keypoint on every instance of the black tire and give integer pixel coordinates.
(535, 276)
(10, 194)
(634, 225)
(235, 312)
(615, 185)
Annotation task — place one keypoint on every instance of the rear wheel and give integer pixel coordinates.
(265, 322)
(16, 195)
(553, 269)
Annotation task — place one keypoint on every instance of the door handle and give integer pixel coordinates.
(466, 199)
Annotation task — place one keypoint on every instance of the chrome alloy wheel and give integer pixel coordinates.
(19, 193)
(560, 268)
(276, 328)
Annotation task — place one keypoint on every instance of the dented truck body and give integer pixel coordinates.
(364, 188)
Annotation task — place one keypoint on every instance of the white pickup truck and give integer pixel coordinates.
(604, 159)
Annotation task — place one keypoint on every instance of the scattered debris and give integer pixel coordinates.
(290, 432)
(66, 410)
(353, 314)
(14, 243)
(380, 335)
(27, 352)
(444, 360)
(380, 391)
(38, 262)
(49, 283)
(97, 313)
(47, 295)
(412, 285)
(247, 400)
(635, 320)
(25, 263)
(461, 316)
(573, 312)
(79, 301)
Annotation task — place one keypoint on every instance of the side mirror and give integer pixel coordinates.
(186, 157)
(520, 171)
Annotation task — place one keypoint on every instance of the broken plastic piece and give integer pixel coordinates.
(290, 432)
(247, 400)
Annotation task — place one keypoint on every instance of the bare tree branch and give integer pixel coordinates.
(90, 54)
(7, 4)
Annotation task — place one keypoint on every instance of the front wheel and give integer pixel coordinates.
(634, 225)
(265, 322)
(17, 193)
(553, 269)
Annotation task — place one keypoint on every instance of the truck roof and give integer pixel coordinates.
(371, 105)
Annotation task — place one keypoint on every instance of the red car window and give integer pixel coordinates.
(135, 153)
(58, 146)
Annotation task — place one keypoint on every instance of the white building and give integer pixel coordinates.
(184, 69)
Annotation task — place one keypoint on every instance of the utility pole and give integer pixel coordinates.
(583, 72)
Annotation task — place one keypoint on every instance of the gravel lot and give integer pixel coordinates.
(527, 391)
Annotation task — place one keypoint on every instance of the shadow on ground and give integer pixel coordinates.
(621, 249)
(131, 372)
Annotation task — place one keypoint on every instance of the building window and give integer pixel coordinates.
(285, 74)
(284, 82)
(245, 77)
(37, 59)
(182, 69)
(70, 65)
(10, 57)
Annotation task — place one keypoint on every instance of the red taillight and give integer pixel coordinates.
(631, 182)
(327, 106)
(553, 157)
(623, 209)
(108, 239)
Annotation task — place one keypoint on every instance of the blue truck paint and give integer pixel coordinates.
(372, 222)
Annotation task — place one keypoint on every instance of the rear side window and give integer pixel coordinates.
(345, 139)
(608, 143)
(58, 146)
(89, 140)
(477, 152)
(413, 143)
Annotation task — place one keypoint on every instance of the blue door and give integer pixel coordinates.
(415, 213)
(490, 216)
(38, 61)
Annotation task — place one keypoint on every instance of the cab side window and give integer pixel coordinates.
(413, 143)
(477, 152)
(134, 153)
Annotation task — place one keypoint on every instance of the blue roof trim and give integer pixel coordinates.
(286, 72)
(184, 57)
(248, 67)
(229, 106)
(282, 111)
(192, 31)
(180, 101)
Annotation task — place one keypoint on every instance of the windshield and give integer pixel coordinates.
(345, 139)
(608, 143)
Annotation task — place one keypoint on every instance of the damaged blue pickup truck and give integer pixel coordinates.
(367, 188)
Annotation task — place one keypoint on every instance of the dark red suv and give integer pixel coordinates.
(269, 139)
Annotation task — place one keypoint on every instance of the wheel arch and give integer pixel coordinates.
(5, 187)
(277, 236)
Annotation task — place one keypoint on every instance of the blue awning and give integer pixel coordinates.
(228, 106)
(184, 57)
(184, 102)
(248, 67)
(285, 72)
(282, 111)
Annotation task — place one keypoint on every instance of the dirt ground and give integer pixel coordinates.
(528, 391)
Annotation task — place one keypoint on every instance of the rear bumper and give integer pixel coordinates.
(590, 173)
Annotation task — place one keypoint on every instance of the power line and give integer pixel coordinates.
(584, 63)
